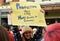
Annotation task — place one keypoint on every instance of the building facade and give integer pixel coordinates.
(5, 1)
(4, 11)
(52, 13)
(1, 1)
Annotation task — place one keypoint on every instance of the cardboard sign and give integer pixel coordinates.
(27, 13)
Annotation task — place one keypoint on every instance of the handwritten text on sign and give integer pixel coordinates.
(28, 18)
(18, 6)
(27, 13)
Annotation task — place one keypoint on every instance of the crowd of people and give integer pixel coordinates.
(49, 33)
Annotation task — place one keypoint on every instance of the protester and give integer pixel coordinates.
(27, 33)
(52, 32)
(17, 35)
(41, 34)
(3, 34)
(10, 33)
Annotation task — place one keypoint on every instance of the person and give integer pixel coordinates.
(3, 34)
(10, 33)
(27, 33)
(52, 32)
(43, 30)
(16, 32)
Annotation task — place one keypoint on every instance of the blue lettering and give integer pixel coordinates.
(17, 5)
(20, 17)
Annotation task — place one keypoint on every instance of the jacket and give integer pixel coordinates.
(11, 36)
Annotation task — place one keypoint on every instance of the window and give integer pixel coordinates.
(30, 0)
(46, 0)
(4, 12)
(58, 19)
(50, 21)
(4, 21)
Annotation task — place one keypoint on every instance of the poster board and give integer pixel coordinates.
(27, 13)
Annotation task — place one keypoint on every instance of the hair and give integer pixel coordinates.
(52, 33)
(3, 34)
(26, 28)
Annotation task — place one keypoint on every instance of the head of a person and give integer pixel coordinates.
(43, 30)
(3, 34)
(52, 32)
(27, 32)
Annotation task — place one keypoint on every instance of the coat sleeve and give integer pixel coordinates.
(18, 36)
(37, 35)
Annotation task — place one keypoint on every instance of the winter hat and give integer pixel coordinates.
(52, 32)
(27, 28)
